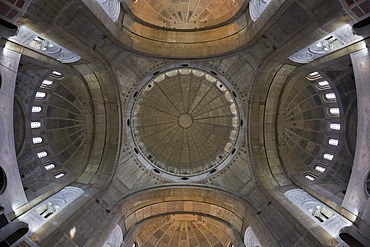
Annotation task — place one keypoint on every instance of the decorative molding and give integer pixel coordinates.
(315, 209)
(44, 211)
(256, 8)
(115, 239)
(111, 7)
(334, 41)
(34, 41)
(250, 238)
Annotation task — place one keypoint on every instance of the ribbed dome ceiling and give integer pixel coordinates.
(183, 230)
(184, 14)
(185, 122)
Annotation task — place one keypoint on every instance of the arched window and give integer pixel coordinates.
(56, 73)
(320, 168)
(310, 177)
(50, 166)
(334, 126)
(42, 154)
(40, 95)
(36, 109)
(333, 142)
(59, 175)
(330, 97)
(36, 125)
(334, 111)
(313, 76)
(37, 140)
(47, 83)
(321, 85)
(328, 156)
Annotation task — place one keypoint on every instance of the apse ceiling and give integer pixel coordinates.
(184, 14)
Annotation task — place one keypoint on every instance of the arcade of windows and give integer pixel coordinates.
(37, 125)
(333, 114)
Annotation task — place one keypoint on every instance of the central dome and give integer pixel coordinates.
(185, 122)
(184, 14)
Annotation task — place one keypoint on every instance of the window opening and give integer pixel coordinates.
(313, 76)
(47, 83)
(333, 142)
(334, 111)
(40, 95)
(37, 140)
(42, 154)
(56, 73)
(328, 156)
(59, 175)
(50, 166)
(35, 125)
(334, 126)
(310, 177)
(36, 109)
(320, 168)
(330, 96)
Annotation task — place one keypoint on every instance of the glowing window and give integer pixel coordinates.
(309, 177)
(40, 95)
(320, 168)
(328, 156)
(313, 76)
(334, 126)
(42, 154)
(334, 111)
(59, 175)
(330, 96)
(37, 140)
(35, 125)
(36, 109)
(56, 73)
(47, 83)
(333, 142)
(51, 166)
(321, 85)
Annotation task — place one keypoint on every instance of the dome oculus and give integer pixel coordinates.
(184, 122)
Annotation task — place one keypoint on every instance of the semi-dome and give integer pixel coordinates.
(185, 14)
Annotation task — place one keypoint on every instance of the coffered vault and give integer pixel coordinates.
(184, 123)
